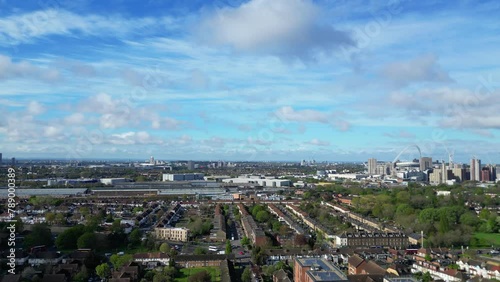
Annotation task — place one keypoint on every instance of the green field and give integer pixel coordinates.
(186, 272)
(485, 240)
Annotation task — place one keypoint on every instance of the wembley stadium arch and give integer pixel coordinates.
(405, 149)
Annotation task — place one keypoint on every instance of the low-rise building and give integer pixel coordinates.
(370, 239)
(172, 233)
(152, 259)
(316, 269)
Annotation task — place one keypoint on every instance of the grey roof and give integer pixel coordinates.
(24, 192)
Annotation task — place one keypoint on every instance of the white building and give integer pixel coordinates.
(183, 176)
(266, 182)
(154, 259)
(112, 181)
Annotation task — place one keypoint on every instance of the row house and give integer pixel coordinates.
(484, 269)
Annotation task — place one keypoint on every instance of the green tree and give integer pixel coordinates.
(444, 224)
(87, 241)
(102, 270)
(164, 248)
(200, 251)
(68, 239)
(116, 227)
(135, 237)
(119, 260)
(50, 217)
(262, 216)
(82, 276)
(229, 248)
(40, 235)
(60, 219)
(246, 276)
(245, 241)
(426, 277)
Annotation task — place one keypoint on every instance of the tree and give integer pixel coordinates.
(426, 277)
(200, 251)
(135, 237)
(229, 248)
(40, 235)
(102, 270)
(82, 276)
(87, 241)
(300, 240)
(116, 227)
(60, 218)
(118, 261)
(245, 241)
(201, 276)
(50, 217)
(262, 216)
(246, 276)
(164, 248)
(68, 239)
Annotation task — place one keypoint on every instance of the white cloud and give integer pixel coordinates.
(317, 142)
(287, 113)
(133, 138)
(35, 108)
(52, 131)
(75, 119)
(285, 28)
(24, 69)
(451, 108)
(424, 68)
(25, 28)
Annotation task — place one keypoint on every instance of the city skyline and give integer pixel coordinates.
(210, 80)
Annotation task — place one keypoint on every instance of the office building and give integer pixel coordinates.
(493, 172)
(0, 158)
(13, 161)
(475, 169)
(425, 163)
(459, 174)
(485, 174)
(372, 166)
(190, 165)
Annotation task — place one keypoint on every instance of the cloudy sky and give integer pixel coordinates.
(250, 80)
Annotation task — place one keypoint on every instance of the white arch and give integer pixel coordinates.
(406, 148)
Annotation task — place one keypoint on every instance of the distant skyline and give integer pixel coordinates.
(249, 80)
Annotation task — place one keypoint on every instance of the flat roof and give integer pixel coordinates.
(322, 270)
(24, 192)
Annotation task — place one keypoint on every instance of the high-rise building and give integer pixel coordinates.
(0, 158)
(152, 160)
(13, 161)
(372, 166)
(493, 172)
(425, 163)
(459, 173)
(190, 165)
(485, 174)
(475, 169)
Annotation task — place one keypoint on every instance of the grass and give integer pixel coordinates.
(485, 240)
(186, 272)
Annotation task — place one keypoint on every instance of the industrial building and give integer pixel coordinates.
(260, 181)
(183, 176)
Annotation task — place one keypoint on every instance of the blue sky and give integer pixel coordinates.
(250, 80)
